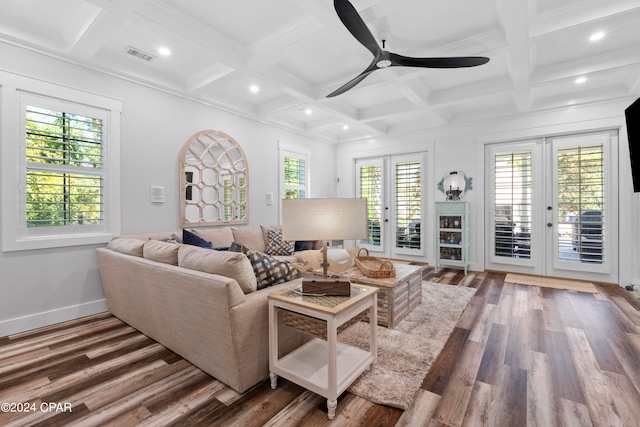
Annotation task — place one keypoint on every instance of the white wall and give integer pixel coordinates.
(461, 147)
(47, 286)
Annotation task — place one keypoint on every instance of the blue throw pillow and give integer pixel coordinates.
(189, 238)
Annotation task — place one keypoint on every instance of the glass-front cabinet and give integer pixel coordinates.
(452, 235)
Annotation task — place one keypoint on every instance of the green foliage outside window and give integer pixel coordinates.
(64, 184)
(294, 178)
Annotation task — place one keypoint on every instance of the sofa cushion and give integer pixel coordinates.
(250, 236)
(189, 238)
(127, 246)
(268, 270)
(219, 237)
(160, 251)
(230, 264)
(276, 245)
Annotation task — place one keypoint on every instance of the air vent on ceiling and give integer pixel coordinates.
(139, 54)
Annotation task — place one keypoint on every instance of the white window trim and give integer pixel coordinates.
(13, 239)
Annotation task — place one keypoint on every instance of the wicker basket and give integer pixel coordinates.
(313, 326)
(374, 267)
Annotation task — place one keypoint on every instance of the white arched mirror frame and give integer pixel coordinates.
(214, 181)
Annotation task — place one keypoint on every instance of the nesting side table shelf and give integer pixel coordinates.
(452, 234)
(323, 367)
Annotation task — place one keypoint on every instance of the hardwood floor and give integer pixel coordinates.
(519, 356)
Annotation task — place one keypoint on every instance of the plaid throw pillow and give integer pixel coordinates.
(269, 271)
(277, 245)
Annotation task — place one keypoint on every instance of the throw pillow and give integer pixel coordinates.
(269, 271)
(172, 239)
(276, 245)
(189, 238)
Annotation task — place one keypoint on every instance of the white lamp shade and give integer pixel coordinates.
(324, 219)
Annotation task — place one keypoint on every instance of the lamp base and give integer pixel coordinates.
(340, 286)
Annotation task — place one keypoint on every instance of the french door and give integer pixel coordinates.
(552, 207)
(393, 187)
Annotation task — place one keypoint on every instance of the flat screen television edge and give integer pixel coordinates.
(632, 117)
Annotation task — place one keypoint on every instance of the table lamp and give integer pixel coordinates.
(325, 219)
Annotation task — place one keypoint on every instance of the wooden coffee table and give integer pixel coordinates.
(397, 295)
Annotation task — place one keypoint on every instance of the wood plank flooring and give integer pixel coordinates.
(519, 356)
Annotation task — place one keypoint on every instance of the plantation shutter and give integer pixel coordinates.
(64, 168)
(512, 204)
(370, 188)
(408, 204)
(295, 178)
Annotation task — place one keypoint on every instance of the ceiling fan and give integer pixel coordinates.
(383, 58)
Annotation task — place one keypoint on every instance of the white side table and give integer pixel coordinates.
(323, 367)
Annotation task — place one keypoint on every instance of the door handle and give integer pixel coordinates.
(549, 224)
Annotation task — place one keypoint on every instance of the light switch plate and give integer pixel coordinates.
(157, 194)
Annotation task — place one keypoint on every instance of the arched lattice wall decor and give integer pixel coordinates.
(214, 181)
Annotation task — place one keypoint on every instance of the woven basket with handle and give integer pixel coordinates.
(374, 267)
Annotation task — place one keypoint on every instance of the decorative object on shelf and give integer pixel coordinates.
(455, 184)
(214, 181)
(374, 267)
(324, 219)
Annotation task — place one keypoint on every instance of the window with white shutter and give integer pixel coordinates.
(512, 204)
(60, 154)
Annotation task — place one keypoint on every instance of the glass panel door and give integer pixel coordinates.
(514, 227)
(393, 187)
(551, 214)
(584, 238)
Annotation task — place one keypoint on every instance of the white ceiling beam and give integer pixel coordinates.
(280, 105)
(607, 61)
(275, 44)
(382, 110)
(514, 18)
(613, 92)
(634, 88)
(580, 13)
(463, 93)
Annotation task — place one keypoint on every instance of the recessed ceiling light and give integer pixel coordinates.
(254, 88)
(597, 36)
(308, 111)
(581, 80)
(164, 51)
(345, 127)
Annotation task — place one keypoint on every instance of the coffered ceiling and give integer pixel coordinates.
(295, 52)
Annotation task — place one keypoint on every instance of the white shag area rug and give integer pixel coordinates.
(406, 353)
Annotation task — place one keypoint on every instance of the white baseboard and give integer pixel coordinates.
(46, 318)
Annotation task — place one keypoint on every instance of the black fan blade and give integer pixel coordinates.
(350, 84)
(445, 62)
(356, 26)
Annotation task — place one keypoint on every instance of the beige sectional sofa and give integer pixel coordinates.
(202, 304)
